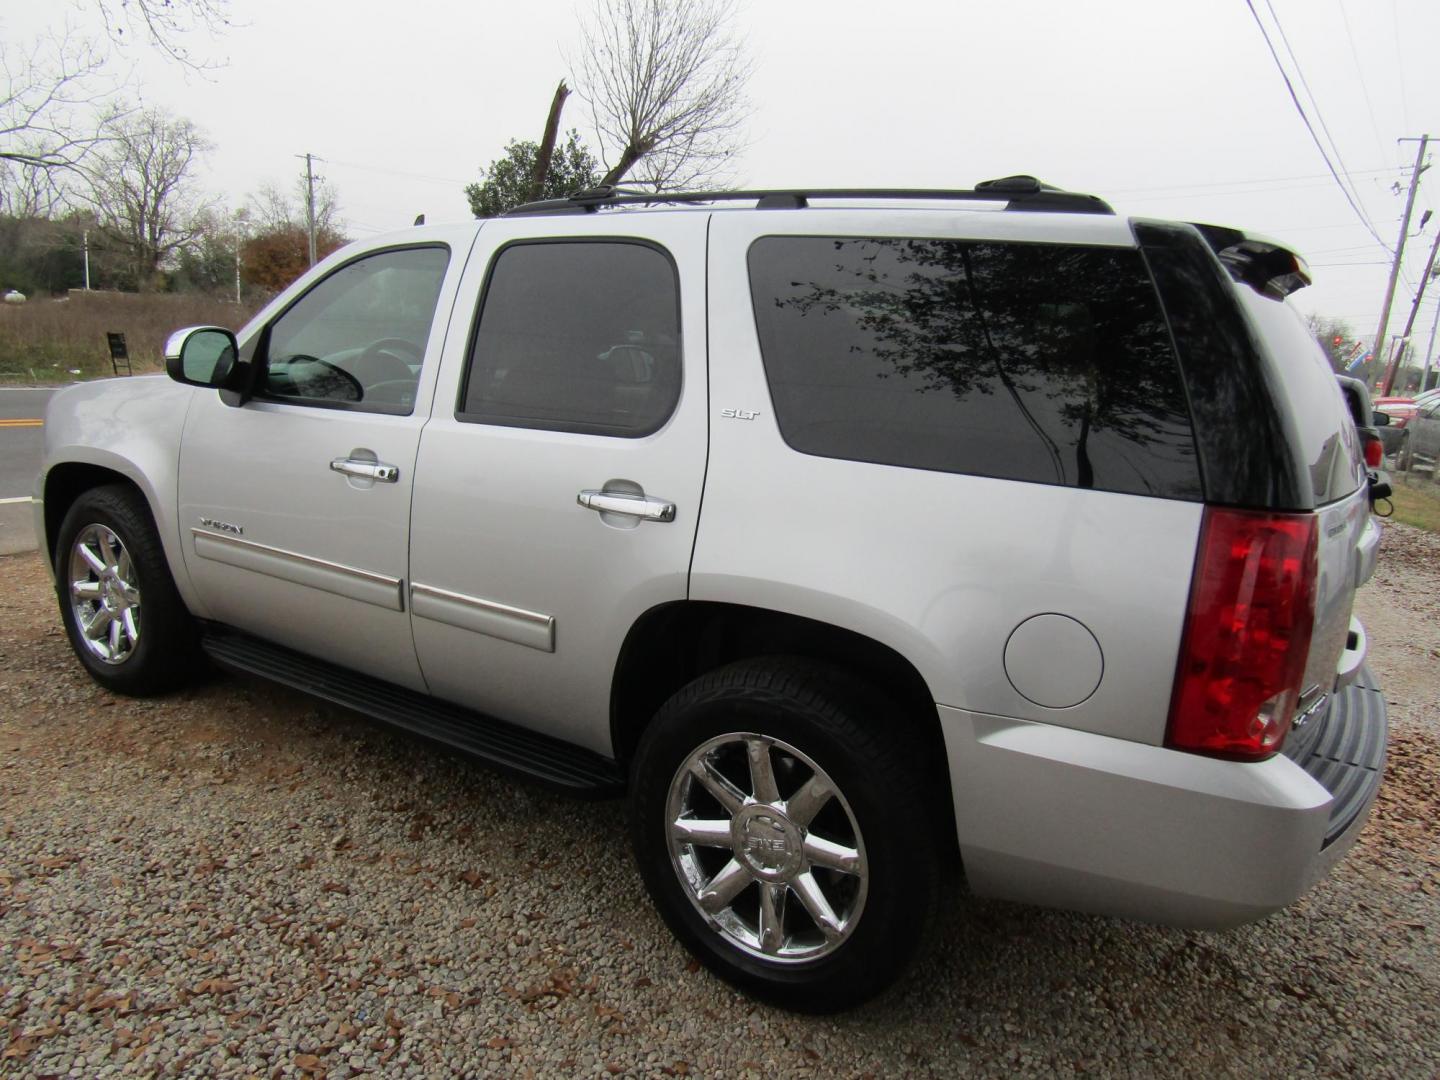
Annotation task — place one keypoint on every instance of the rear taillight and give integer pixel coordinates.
(1374, 451)
(1247, 634)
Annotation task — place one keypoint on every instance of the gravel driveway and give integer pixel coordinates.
(237, 881)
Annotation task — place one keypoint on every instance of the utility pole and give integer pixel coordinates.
(310, 204)
(1414, 310)
(1420, 167)
(85, 242)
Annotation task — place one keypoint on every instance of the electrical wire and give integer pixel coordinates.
(1399, 64)
(396, 172)
(1289, 86)
(1314, 101)
(1360, 74)
(1184, 188)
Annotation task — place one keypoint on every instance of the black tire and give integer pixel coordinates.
(163, 654)
(850, 732)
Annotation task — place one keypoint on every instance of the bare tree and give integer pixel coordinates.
(53, 102)
(665, 81)
(270, 210)
(140, 186)
(164, 23)
(28, 192)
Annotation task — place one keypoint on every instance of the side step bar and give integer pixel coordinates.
(552, 762)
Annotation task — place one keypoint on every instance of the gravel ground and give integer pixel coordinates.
(236, 881)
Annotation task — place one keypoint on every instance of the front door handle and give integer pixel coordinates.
(638, 506)
(367, 470)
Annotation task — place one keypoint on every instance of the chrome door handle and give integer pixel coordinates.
(640, 506)
(367, 470)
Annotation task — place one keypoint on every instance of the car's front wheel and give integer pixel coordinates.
(780, 827)
(124, 618)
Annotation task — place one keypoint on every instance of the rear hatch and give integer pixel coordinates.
(1272, 430)
(1327, 445)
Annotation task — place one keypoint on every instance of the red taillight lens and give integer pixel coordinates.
(1374, 451)
(1247, 634)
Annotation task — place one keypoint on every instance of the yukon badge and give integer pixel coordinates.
(738, 414)
(223, 526)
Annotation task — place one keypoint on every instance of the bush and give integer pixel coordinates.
(45, 340)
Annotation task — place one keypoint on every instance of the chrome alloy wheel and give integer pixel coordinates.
(782, 877)
(104, 598)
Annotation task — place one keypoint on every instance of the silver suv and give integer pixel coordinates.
(855, 535)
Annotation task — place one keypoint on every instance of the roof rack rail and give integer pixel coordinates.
(1017, 192)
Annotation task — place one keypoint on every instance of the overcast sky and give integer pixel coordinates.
(1169, 108)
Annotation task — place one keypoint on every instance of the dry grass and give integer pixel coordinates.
(50, 340)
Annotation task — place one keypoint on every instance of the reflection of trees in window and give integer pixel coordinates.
(1076, 328)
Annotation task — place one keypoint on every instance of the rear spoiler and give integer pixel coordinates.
(1266, 265)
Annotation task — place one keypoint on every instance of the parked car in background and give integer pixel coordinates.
(1369, 422)
(1424, 446)
(1402, 411)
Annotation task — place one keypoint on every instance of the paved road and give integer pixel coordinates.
(21, 445)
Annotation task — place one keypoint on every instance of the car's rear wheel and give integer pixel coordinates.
(125, 620)
(780, 827)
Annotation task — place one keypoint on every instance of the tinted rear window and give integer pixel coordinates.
(1323, 430)
(1037, 362)
(579, 336)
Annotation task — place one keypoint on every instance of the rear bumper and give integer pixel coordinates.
(1064, 818)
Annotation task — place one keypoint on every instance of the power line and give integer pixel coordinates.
(1182, 188)
(1342, 250)
(1314, 101)
(1400, 65)
(396, 172)
(1360, 72)
(1311, 128)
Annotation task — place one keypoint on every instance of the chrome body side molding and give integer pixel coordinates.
(529, 628)
(348, 581)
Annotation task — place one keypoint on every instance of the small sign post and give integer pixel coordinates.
(118, 353)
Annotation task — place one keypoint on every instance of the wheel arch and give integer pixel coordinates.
(673, 644)
(67, 481)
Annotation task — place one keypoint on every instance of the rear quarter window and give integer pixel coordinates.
(1325, 437)
(1044, 363)
(1037, 362)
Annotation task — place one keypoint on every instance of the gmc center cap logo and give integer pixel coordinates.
(768, 843)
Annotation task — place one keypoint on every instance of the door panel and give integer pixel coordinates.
(521, 596)
(294, 511)
(319, 565)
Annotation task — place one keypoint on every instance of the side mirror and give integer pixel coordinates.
(202, 356)
(1380, 419)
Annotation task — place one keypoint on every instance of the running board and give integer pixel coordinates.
(557, 764)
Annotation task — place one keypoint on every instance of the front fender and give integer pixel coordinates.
(130, 428)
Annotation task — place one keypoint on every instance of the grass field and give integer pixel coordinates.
(1417, 501)
(47, 341)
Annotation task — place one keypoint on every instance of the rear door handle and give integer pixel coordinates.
(639, 506)
(367, 470)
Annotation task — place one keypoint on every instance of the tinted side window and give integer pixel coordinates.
(357, 338)
(1325, 442)
(577, 336)
(1037, 362)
